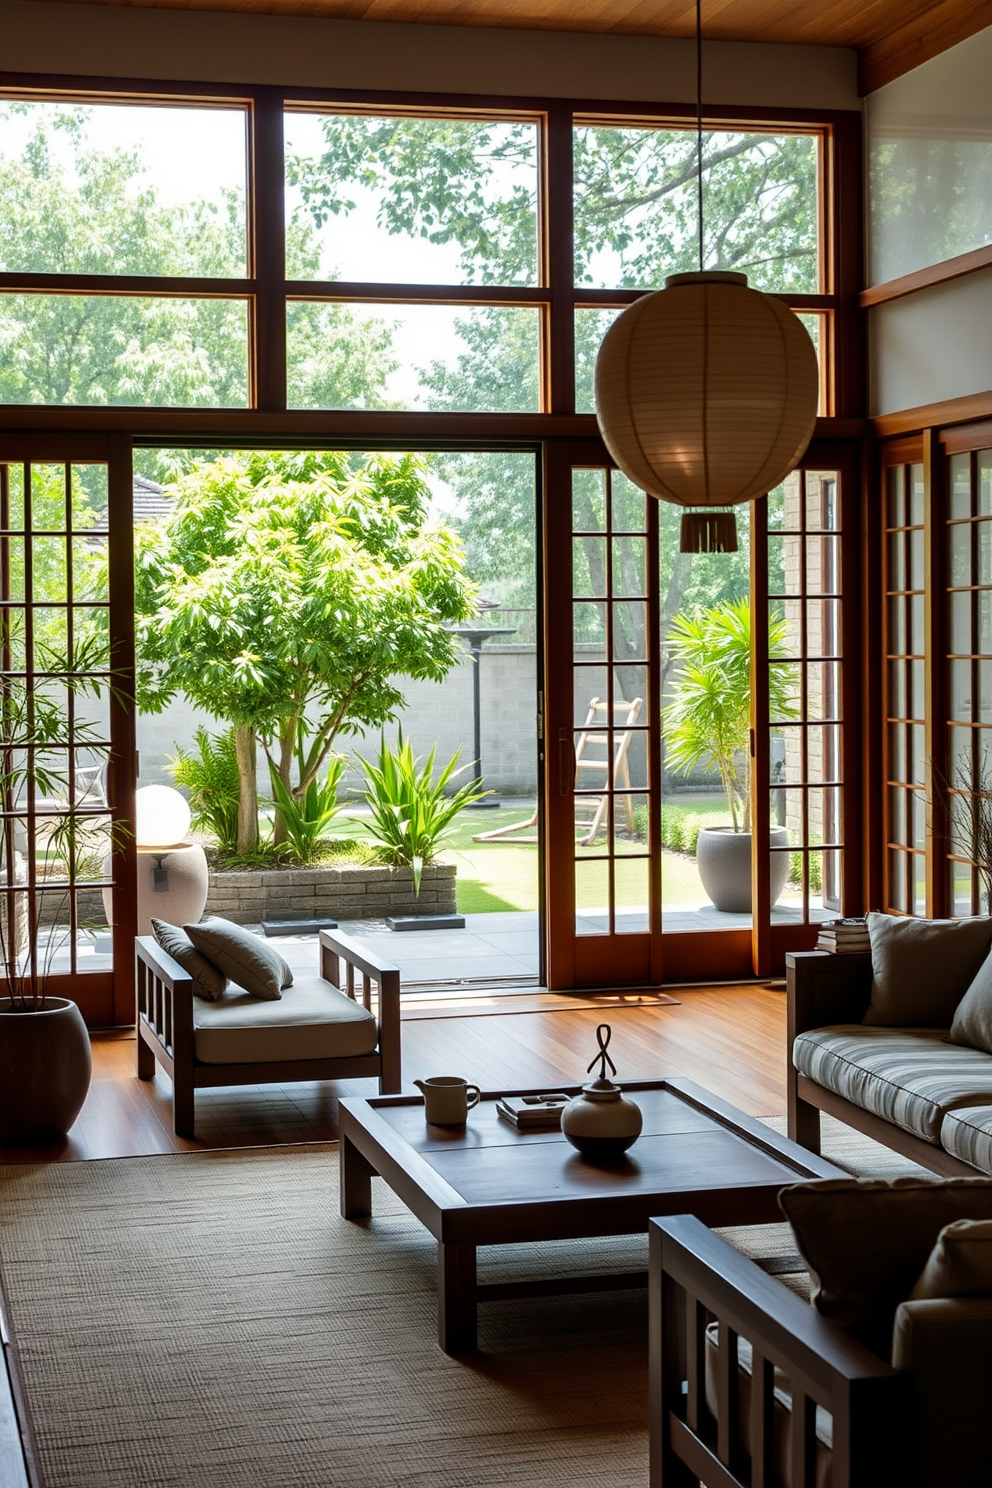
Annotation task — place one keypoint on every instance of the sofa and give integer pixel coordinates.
(898, 1070)
(207, 1029)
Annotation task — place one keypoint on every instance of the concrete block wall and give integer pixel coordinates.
(334, 893)
(435, 714)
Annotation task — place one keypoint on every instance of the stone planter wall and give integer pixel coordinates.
(332, 893)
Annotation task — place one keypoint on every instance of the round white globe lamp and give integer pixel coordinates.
(162, 816)
(706, 395)
(172, 872)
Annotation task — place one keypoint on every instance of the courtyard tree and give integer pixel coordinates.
(288, 595)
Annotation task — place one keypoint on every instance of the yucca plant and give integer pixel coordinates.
(307, 817)
(411, 815)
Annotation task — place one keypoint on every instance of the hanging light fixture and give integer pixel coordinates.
(706, 390)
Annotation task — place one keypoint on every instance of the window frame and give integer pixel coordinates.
(268, 292)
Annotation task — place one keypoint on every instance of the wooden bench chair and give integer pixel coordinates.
(188, 1037)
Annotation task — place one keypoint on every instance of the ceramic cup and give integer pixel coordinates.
(447, 1099)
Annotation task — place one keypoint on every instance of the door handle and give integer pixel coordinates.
(566, 762)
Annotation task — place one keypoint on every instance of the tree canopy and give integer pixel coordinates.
(288, 593)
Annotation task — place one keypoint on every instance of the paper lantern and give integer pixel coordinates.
(162, 816)
(706, 395)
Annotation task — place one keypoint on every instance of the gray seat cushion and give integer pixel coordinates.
(908, 1076)
(312, 1020)
(967, 1134)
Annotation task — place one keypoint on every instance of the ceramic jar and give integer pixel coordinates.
(601, 1122)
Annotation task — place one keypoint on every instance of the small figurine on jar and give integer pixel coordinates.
(601, 1122)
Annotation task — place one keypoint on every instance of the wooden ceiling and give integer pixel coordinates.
(891, 36)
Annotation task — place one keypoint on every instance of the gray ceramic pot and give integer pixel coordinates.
(45, 1068)
(723, 858)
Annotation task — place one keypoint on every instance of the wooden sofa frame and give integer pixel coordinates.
(165, 1027)
(824, 989)
(696, 1277)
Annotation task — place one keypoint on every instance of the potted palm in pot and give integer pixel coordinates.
(707, 725)
(45, 1062)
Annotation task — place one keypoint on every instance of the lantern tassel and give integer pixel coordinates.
(708, 532)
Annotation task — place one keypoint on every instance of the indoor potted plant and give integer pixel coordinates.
(707, 724)
(45, 1061)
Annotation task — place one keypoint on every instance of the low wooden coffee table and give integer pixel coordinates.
(486, 1184)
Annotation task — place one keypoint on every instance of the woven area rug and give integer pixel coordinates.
(208, 1319)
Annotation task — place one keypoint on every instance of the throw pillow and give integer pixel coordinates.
(973, 1017)
(960, 1264)
(922, 968)
(867, 1241)
(245, 958)
(209, 982)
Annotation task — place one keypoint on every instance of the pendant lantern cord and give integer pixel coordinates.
(699, 124)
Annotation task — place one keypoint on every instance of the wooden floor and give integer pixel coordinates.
(730, 1039)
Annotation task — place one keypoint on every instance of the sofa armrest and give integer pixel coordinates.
(825, 988)
(342, 960)
(945, 1346)
(695, 1276)
(164, 998)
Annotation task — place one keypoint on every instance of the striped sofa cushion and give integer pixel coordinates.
(907, 1076)
(967, 1134)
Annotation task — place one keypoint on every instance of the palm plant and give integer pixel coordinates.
(411, 815)
(213, 782)
(307, 817)
(707, 722)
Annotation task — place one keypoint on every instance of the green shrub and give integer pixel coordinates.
(213, 784)
(815, 871)
(411, 815)
(306, 819)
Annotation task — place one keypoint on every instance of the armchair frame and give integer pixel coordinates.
(164, 1017)
(825, 989)
(695, 1277)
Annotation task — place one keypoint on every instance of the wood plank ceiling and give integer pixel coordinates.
(891, 36)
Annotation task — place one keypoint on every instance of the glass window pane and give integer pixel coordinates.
(589, 631)
(918, 696)
(897, 690)
(629, 631)
(589, 566)
(920, 899)
(590, 686)
(592, 896)
(823, 743)
(823, 700)
(590, 328)
(629, 566)
(589, 500)
(393, 200)
(633, 895)
(984, 637)
(896, 577)
(823, 627)
(465, 359)
(124, 351)
(823, 565)
(918, 753)
(897, 881)
(983, 535)
(961, 700)
(959, 571)
(896, 504)
(628, 504)
(124, 189)
(983, 461)
(784, 691)
(917, 638)
(635, 206)
(897, 752)
(961, 624)
(960, 482)
(985, 691)
(630, 826)
(822, 507)
(916, 490)
(897, 815)
(962, 881)
(917, 578)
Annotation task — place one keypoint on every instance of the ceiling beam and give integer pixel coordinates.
(942, 26)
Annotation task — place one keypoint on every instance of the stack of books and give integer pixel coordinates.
(844, 935)
(533, 1112)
